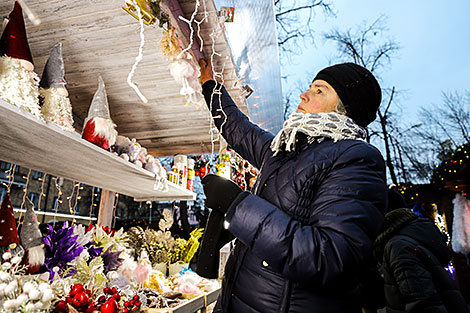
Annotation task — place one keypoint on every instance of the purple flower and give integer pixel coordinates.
(111, 260)
(61, 248)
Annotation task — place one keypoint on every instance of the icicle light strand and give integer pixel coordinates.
(25, 194)
(138, 58)
(191, 35)
(11, 177)
(71, 197)
(42, 192)
(91, 204)
(59, 194)
(116, 201)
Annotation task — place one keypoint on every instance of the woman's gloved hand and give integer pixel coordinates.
(220, 192)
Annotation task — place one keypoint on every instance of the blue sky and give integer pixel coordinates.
(434, 37)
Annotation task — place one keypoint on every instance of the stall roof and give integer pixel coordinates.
(99, 37)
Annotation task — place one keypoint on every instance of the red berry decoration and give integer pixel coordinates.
(80, 300)
(126, 310)
(114, 290)
(108, 290)
(76, 289)
(127, 304)
(91, 308)
(117, 296)
(109, 307)
(102, 299)
(61, 306)
(69, 299)
(136, 297)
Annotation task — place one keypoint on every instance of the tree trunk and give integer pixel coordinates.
(388, 157)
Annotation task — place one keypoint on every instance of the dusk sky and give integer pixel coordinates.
(434, 37)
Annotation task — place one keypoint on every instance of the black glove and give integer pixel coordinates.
(220, 192)
(215, 237)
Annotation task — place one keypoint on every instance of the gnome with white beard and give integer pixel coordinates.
(31, 240)
(56, 107)
(98, 127)
(18, 81)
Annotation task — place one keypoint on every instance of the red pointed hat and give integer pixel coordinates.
(14, 42)
(8, 231)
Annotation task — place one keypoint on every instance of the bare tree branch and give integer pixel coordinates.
(294, 21)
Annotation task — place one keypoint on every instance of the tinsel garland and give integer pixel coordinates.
(19, 86)
(56, 108)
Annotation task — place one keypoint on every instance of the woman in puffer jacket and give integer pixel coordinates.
(413, 253)
(304, 230)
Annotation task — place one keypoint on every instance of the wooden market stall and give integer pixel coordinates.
(100, 38)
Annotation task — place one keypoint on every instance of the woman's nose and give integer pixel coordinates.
(304, 97)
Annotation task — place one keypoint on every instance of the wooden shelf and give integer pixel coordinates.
(194, 305)
(45, 147)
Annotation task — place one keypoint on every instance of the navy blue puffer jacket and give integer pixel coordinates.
(306, 228)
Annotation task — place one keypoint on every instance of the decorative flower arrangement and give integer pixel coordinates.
(19, 293)
(61, 248)
(161, 246)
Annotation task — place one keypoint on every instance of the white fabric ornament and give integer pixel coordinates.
(186, 74)
(461, 225)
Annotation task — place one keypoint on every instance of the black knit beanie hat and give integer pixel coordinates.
(395, 200)
(357, 88)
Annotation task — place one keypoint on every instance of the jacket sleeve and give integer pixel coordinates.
(246, 138)
(346, 213)
(414, 281)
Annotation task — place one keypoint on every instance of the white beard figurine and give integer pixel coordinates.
(19, 86)
(18, 81)
(56, 107)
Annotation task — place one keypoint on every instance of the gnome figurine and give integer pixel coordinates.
(56, 107)
(18, 81)
(9, 240)
(99, 128)
(31, 240)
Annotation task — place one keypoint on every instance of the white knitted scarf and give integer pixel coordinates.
(316, 125)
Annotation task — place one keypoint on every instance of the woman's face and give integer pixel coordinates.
(319, 98)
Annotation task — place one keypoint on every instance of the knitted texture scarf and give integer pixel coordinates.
(316, 125)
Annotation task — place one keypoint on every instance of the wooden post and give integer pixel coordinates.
(106, 213)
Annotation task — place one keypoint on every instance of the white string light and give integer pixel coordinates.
(217, 89)
(42, 192)
(71, 197)
(91, 204)
(138, 58)
(191, 40)
(57, 201)
(11, 177)
(77, 197)
(25, 190)
(116, 201)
